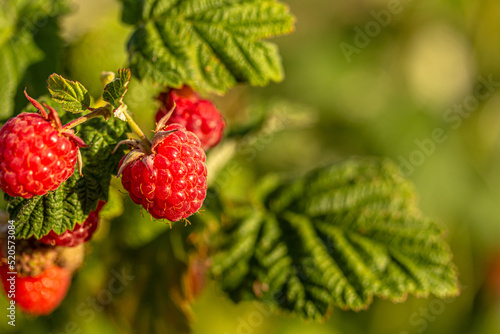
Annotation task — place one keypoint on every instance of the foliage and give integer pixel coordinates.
(338, 236)
(116, 89)
(20, 22)
(209, 45)
(73, 96)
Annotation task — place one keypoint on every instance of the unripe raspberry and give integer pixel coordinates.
(79, 234)
(171, 181)
(36, 154)
(197, 115)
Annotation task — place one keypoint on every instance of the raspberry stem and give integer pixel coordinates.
(106, 113)
(138, 131)
(103, 111)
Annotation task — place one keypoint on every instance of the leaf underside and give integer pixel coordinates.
(337, 237)
(209, 45)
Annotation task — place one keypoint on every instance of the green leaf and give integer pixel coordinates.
(73, 96)
(58, 210)
(116, 89)
(209, 45)
(74, 199)
(336, 237)
(21, 22)
(14, 59)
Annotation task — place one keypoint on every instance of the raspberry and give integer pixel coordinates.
(79, 234)
(197, 115)
(493, 277)
(36, 154)
(37, 295)
(171, 181)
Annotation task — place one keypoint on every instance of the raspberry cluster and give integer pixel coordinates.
(167, 176)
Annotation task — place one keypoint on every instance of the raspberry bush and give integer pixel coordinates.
(337, 236)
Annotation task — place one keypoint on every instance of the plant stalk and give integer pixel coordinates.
(138, 131)
(95, 113)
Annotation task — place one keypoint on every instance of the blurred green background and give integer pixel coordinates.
(386, 96)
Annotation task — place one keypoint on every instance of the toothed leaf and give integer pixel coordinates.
(336, 237)
(72, 95)
(209, 45)
(21, 23)
(116, 89)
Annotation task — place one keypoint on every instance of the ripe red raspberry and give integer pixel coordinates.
(37, 295)
(171, 181)
(36, 153)
(79, 234)
(197, 115)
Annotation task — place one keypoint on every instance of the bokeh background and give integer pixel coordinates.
(384, 96)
